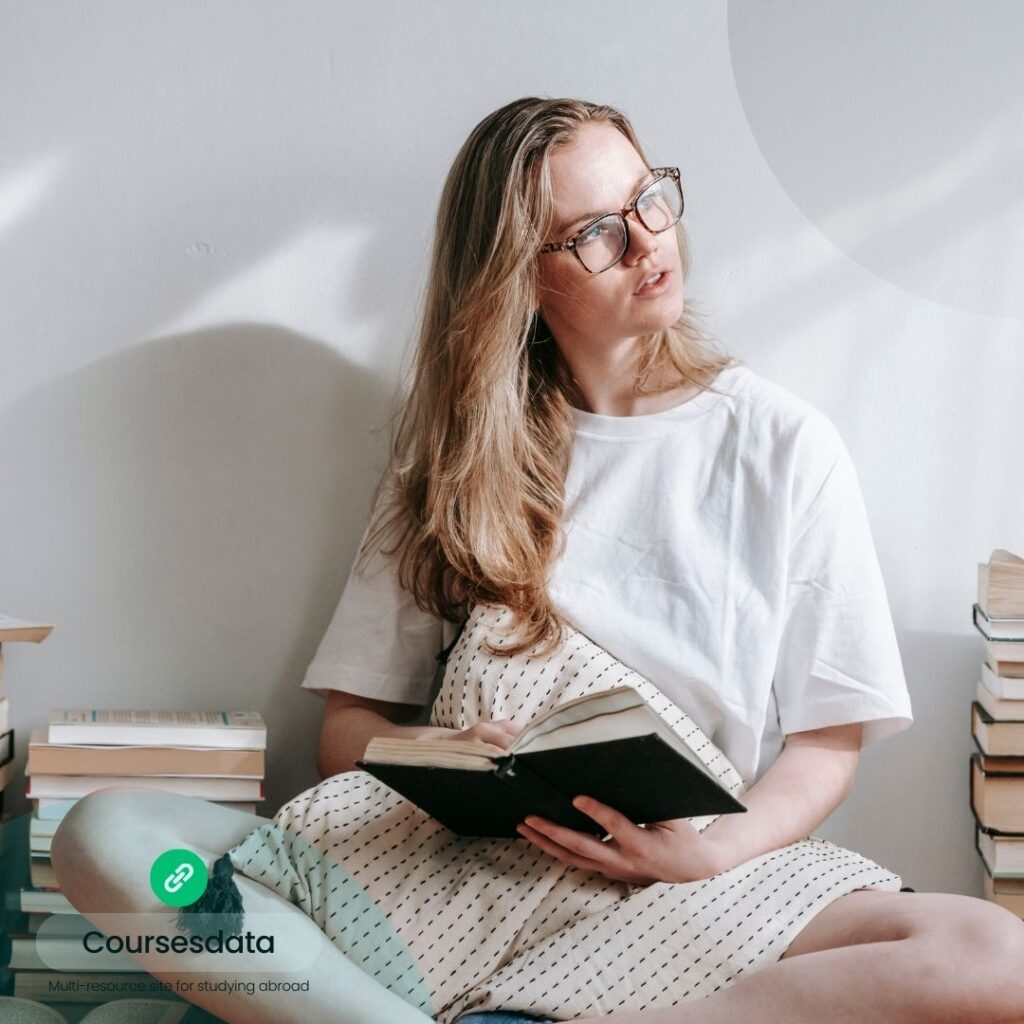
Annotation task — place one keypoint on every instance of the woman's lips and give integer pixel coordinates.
(660, 285)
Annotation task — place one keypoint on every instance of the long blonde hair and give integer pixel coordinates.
(473, 493)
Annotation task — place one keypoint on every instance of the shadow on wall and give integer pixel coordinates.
(186, 512)
(921, 776)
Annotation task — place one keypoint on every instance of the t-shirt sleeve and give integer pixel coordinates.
(838, 659)
(379, 644)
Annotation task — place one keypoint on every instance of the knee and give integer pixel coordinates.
(970, 964)
(89, 844)
(997, 940)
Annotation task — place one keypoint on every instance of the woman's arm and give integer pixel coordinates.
(351, 721)
(808, 781)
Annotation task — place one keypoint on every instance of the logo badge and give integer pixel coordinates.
(178, 877)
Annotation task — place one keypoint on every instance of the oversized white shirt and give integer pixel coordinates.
(721, 548)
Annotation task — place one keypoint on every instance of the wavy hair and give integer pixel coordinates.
(472, 497)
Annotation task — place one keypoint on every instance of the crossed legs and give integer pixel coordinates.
(869, 956)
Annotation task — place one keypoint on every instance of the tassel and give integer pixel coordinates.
(219, 909)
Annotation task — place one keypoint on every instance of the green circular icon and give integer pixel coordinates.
(178, 877)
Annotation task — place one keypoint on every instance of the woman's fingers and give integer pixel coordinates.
(583, 844)
(510, 728)
(563, 852)
(500, 731)
(509, 731)
(614, 821)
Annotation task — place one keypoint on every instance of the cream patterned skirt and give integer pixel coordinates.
(454, 925)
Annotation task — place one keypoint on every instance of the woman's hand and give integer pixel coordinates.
(499, 733)
(662, 851)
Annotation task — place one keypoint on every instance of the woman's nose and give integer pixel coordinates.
(641, 241)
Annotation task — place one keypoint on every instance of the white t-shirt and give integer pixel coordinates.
(721, 548)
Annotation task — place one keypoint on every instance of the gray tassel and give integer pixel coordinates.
(219, 909)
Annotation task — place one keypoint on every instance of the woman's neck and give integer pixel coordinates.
(604, 382)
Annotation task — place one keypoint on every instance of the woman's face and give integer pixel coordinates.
(597, 173)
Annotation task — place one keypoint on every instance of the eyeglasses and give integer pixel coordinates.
(600, 244)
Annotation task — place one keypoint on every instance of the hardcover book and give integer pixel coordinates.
(46, 758)
(12, 629)
(1002, 852)
(1005, 628)
(997, 799)
(55, 787)
(610, 745)
(1001, 737)
(234, 729)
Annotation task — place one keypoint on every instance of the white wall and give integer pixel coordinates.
(213, 227)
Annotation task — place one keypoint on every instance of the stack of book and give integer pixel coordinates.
(997, 725)
(12, 630)
(215, 755)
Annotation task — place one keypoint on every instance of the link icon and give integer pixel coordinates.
(178, 877)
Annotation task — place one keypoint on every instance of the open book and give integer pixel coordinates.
(609, 745)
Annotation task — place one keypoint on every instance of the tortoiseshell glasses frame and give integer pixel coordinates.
(571, 243)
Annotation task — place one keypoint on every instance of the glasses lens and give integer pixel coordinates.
(602, 244)
(660, 205)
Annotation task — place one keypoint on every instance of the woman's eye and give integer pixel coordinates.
(648, 199)
(592, 234)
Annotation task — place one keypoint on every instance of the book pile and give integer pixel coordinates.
(997, 725)
(214, 755)
(12, 630)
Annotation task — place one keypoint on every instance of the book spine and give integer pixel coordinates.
(977, 846)
(546, 801)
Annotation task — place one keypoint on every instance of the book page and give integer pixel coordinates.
(579, 709)
(157, 719)
(1002, 555)
(12, 629)
(469, 755)
(639, 720)
(592, 718)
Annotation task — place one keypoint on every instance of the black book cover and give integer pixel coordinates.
(991, 773)
(982, 750)
(640, 776)
(996, 834)
(984, 715)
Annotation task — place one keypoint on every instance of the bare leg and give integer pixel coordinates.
(868, 958)
(942, 959)
(102, 854)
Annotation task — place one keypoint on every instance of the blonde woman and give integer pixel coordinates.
(582, 489)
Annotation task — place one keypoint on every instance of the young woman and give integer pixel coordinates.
(586, 487)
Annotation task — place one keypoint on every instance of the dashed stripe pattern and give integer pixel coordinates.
(454, 924)
(349, 916)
